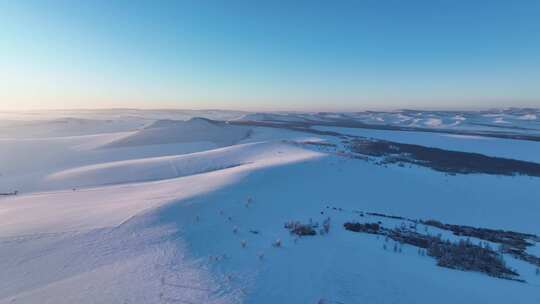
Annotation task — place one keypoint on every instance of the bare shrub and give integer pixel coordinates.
(326, 225)
(300, 229)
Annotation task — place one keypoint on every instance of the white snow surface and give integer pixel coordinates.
(164, 221)
(506, 148)
(166, 167)
(89, 245)
(193, 130)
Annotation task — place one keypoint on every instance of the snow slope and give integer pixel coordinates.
(194, 236)
(98, 239)
(341, 266)
(188, 223)
(46, 123)
(344, 267)
(193, 130)
(25, 170)
(166, 167)
(24, 163)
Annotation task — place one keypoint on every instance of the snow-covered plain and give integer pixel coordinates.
(508, 148)
(170, 218)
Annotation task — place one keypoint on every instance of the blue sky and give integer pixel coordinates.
(298, 55)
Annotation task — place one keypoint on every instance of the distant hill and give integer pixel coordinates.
(176, 131)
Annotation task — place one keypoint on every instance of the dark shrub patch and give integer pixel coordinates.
(304, 230)
(372, 228)
(300, 229)
(464, 255)
(514, 243)
(455, 162)
(510, 238)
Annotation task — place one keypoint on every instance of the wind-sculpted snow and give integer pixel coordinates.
(166, 167)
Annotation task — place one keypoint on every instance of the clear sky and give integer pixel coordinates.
(262, 55)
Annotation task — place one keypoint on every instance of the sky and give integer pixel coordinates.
(269, 55)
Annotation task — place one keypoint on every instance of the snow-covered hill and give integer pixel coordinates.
(508, 121)
(165, 167)
(193, 130)
(25, 170)
(195, 212)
